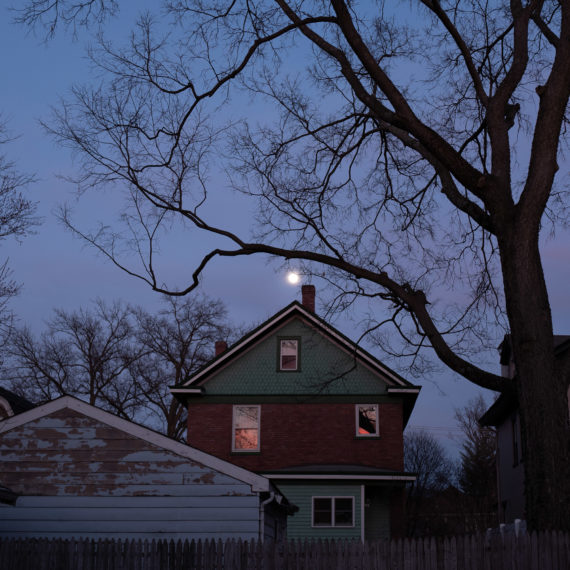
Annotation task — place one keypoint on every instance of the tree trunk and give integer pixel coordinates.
(541, 385)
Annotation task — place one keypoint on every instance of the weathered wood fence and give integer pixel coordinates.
(537, 551)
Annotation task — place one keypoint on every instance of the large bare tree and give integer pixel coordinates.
(408, 152)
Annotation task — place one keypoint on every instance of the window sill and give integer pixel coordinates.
(366, 437)
(257, 452)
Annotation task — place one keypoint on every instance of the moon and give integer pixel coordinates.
(293, 277)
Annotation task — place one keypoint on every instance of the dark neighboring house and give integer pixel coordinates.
(299, 403)
(72, 470)
(12, 404)
(504, 415)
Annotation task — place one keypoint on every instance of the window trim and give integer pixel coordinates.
(239, 449)
(333, 499)
(297, 368)
(357, 421)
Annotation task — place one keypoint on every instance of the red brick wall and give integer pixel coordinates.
(300, 434)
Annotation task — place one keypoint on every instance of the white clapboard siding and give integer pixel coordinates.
(187, 502)
(82, 473)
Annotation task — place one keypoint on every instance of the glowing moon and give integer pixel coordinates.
(293, 277)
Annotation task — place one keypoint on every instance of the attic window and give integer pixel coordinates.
(289, 354)
(366, 420)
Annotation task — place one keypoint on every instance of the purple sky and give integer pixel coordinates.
(58, 271)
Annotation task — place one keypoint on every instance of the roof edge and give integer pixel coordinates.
(339, 477)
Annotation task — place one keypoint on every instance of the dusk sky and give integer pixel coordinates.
(57, 270)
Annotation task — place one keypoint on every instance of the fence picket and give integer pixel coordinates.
(564, 550)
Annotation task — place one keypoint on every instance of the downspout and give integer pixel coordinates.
(262, 514)
(362, 514)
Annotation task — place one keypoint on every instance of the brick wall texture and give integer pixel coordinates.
(301, 434)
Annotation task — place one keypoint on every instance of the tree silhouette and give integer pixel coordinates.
(407, 154)
(120, 358)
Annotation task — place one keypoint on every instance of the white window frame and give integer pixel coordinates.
(239, 449)
(333, 499)
(357, 420)
(297, 343)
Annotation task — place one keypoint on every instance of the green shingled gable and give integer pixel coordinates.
(324, 368)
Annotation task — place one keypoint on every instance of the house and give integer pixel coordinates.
(71, 470)
(11, 404)
(504, 415)
(299, 403)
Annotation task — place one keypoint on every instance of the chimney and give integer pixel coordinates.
(220, 346)
(308, 297)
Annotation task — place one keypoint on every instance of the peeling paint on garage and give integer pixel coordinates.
(82, 472)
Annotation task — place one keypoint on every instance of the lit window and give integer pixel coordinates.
(246, 428)
(333, 511)
(289, 354)
(366, 420)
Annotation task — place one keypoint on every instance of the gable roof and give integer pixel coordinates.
(257, 482)
(395, 382)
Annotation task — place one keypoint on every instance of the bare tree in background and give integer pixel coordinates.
(424, 456)
(16, 220)
(478, 469)
(176, 342)
(87, 354)
(120, 358)
(411, 154)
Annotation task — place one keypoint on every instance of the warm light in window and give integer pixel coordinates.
(289, 352)
(367, 420)
(246, 428)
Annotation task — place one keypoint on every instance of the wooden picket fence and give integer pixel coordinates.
(536, 551)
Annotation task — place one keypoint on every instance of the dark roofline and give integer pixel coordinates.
(501, 409)
(18, 404)
(507, 402)
(561, 343)
(340, 472)
(338, 469)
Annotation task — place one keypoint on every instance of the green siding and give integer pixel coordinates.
(299, 526)
(324, 369)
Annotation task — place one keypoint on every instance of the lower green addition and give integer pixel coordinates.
(323, 507)
(333, 510)
(303, 493)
